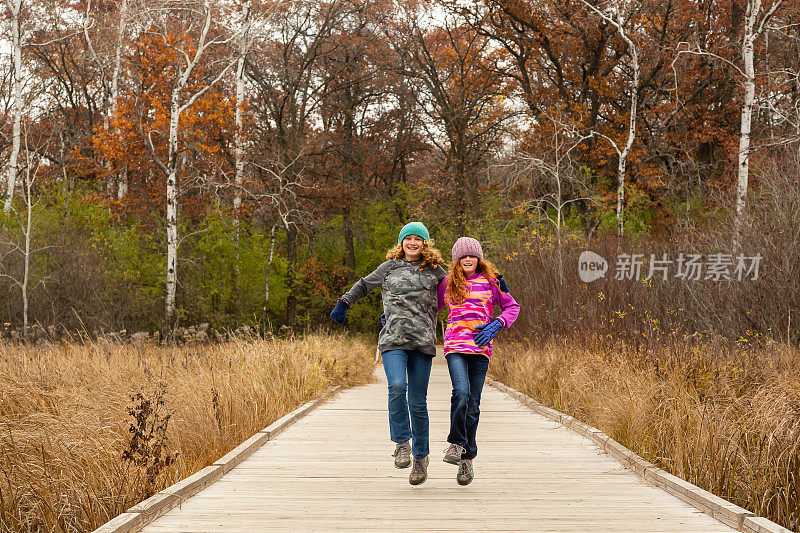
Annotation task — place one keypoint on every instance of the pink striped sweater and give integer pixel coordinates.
(478, 308)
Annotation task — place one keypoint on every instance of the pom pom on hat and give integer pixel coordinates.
(465, 246)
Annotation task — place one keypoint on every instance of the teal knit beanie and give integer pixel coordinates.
(414, 228)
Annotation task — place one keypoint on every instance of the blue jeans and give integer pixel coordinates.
(417, 366)
(467, 373)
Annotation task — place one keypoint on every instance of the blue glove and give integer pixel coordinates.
(502, 283)
(487, 332)
(383, 319)
(339, 313)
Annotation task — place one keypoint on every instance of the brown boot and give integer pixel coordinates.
(464, 476)
(402, 455)
(419, 471)
(453, 454)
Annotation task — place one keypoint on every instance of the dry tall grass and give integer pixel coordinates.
(724, 418)
(66, 410)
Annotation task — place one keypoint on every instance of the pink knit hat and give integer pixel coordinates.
(465, 246)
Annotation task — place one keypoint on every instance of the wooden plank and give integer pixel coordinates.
(477, 522)
(154, 506)
(191, 485)
(241, 452)
(122, 523)
(757, 524)
(333, 470)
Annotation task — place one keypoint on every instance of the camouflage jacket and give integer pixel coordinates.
(409, 301)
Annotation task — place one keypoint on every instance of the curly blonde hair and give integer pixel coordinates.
(430, 255)
(457, 288)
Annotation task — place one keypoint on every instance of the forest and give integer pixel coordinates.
(188, 186)
(226, 165)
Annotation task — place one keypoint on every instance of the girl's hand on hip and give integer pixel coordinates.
(487, 332)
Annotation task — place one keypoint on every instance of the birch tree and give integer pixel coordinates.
(618, 14)
(264, 320)
(22, 251)
(190, 50)
(277, 196)
(756, 21)
(239, 139)
(757, 16)
(122, 176)
(239, 136)
(15, 12)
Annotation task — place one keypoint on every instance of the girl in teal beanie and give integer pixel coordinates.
(409, 279)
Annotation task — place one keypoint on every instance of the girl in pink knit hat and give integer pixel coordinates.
(471, 290)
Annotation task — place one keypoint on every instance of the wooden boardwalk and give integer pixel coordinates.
(333, 471)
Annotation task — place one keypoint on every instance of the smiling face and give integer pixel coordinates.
(468, 264)
(412, 247)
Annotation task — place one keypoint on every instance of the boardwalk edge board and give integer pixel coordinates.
(141, 514)
(711, 504)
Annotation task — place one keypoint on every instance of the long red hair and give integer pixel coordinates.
(457, 288)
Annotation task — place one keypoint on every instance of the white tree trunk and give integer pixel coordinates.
(623, 157)
(14, 8)
(239, 149)
(559, 213)
(28, 238)
(170, 169)
(122, 186)
(172, 208)
(266, 281)
(748, 48)
(122, 174)
(123, 16)
(3, 176)
(617, 19)
(239, 119)
(238, 138)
